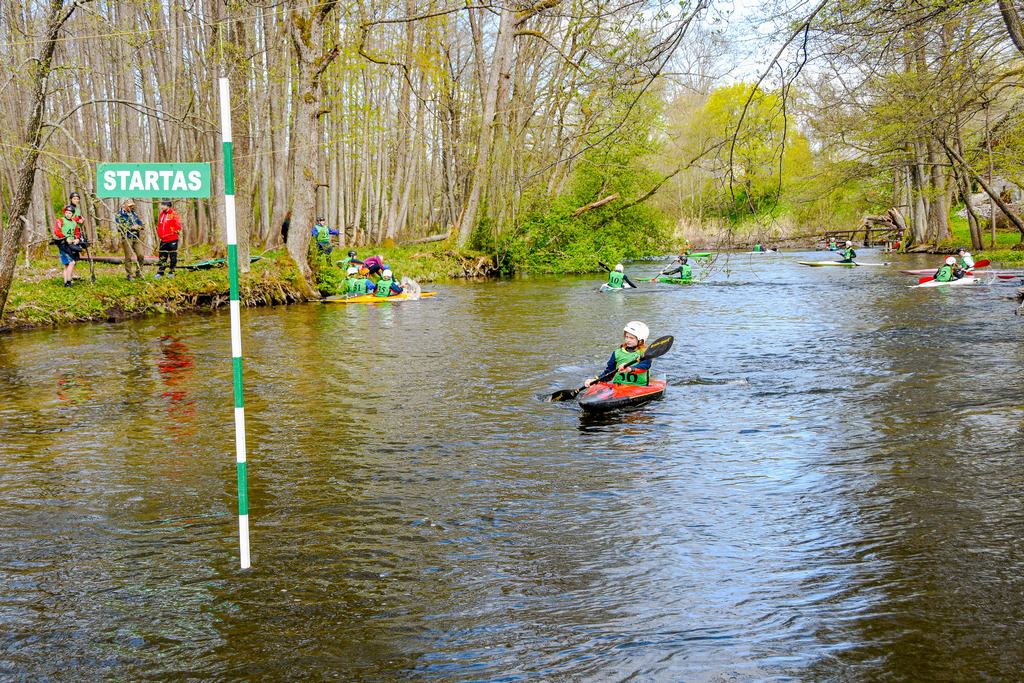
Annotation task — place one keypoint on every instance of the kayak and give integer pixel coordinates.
(604, 396)
(699, 254)
(371, 299)
(969, 280)
(606, 288)
(676, 280)
(818, 264)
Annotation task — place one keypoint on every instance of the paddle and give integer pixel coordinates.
(625, 277)
(658, 347)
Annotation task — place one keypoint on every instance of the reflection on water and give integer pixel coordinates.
(175, 366)
(829, 490)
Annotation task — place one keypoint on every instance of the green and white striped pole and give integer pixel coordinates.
(236, 324)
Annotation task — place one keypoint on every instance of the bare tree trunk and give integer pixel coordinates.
(312, 57)
(10, 239)
(502, 57)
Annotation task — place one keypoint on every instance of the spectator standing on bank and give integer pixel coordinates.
(168, 229)
(130, 227)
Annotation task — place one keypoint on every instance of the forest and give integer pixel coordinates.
(541, 133)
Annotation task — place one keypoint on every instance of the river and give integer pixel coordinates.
(833, 488)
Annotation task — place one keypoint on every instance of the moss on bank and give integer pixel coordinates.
(38, 296)
(420, 262)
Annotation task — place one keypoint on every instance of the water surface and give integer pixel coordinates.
(832, 488)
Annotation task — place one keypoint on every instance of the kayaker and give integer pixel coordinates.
(67, 235)
(949, 271)
(355, 285)
(322, 232)
(635, 335)
(964, 258)
(848, 253)
(374, 264)
(832, 244)
(346, 262)
(616, 278)
(758, 248)
(684, 271)
(387, 286)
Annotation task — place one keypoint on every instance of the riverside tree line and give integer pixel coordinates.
(544, 132)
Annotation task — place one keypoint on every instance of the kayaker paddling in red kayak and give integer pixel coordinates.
(635, 333)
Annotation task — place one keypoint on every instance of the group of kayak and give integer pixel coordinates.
(678, 272)
(372, 281)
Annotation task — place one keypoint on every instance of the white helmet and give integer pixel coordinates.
(950, 261)
(618, 267)
(849, 243)
(352, 270)
(637, 329)
(386, 274)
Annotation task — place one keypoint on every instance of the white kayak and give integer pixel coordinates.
(818, 264)
(606, 288)
(968, 280)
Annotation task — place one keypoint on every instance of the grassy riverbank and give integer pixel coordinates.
(38, 296)
(1003, 252)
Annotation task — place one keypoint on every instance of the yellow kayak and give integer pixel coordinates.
(371, 299)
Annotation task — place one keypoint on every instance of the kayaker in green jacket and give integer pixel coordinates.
(635, 335)
(617, 279)
(848, 253)
(684, 271)
(354, 285)
(964, 258)
(949, 271)
(758, 248)
(386, 285)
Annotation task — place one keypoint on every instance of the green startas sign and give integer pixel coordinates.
(173, 181)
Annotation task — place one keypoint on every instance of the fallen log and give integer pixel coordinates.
(429, 238)
(149, 260)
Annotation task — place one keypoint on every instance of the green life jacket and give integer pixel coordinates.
(383, 288)
(685, 272)
(629, 376)
(849, 254)
(758, 248)
(944, 274)
(963, 263)
(615, 279)
(67, 227)
(323, 234)
(355, 285)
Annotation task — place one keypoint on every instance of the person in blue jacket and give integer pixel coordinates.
(322, 233)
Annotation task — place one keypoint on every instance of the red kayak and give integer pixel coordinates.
(604, 396)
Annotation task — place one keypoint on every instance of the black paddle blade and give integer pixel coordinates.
(659, 347)
(605, 266)
(564, 395)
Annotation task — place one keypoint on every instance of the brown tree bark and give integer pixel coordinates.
(312, 57)
(10, 239)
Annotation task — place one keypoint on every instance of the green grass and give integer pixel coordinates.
(38, 295)
(421, 262)
(1005, 241)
